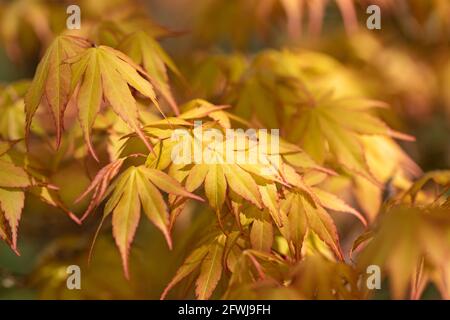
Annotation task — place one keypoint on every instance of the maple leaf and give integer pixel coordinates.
(104, 73)
(210, 272)
(3, 233)
(216, 175)
(210, 73)
(438, 177)
(261, 232)
(395, 174)
(207, 258)
(101, 185)
(411, 245)
(12, 176)
(338, 124)
(16, 17)
(92, 75)
(219, 177)
(11, 203)
(251, 268)
(318, 278)
(420, 245)
(51, 83)
(223, 179)
(147, 52)
(17, 175)
(329, 126)
(136, 187)
(191, 263)
(123, 19)
(300, 215)
(12, 106)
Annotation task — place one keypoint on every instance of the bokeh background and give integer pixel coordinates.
(406, 64)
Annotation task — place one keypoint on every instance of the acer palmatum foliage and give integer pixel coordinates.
(95, 131)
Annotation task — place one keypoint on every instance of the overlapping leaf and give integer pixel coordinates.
(136, 187)
(206, 258)
(147, 52)
(17, 176)
(105, 74)
(412, 246)
(51, 83)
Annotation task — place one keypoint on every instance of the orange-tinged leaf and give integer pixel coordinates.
(126, 219)
(106, 74)
(210, 272)
(145, 51)
(196, 177)
(116, 91)
(12, 176)
(242, 183)
(270, 199)
(136, 187)
(403, 238)
(321, 223)
(199, 108)
(3, 233)
(101, 185)
(300, 216)
(294, 225)
(166, 183)
(89, 98)
(129, 72)
(11, 203)
(51, 84)
(311, 137)
(119, 188)
(330, 201)
(153, 205)
(192, 262)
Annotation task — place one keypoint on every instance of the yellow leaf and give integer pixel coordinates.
(126, 219)
(261, 235)
(11, 203)
(210, 272)
(215, 186)
(242, 183)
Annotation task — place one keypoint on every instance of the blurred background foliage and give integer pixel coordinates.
(405, 64)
